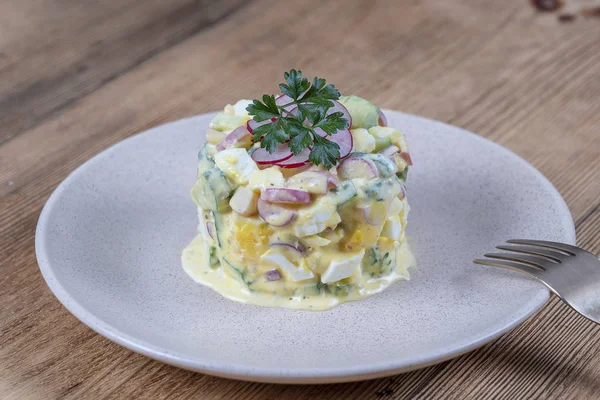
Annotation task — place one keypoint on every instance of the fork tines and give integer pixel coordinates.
(530, 256)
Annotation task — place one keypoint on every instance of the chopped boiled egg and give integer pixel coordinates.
(297, 273)
(236, 164)
(396, 137)
(396, 206)
(244, 201)
(362, 140)
(392, 228)
(342, 267)
(315, 241)
(321, 215)
(266, 178)
(239, 108)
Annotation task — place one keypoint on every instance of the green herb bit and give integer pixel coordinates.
(298, 128)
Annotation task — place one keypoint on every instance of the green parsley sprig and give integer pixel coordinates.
(297, 128)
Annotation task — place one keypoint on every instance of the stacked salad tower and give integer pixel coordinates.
(301, 199)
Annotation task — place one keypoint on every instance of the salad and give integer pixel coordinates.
(301, 200)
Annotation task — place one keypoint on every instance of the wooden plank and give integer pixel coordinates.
(522, 79)
(44, 82)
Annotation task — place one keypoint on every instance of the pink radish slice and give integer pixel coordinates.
(406, 157)
(338, 107)
(355, 167)
(235, 136)
(382, 119)
(375, 214)
(281, 153)
(210, 228)
(273, 275)
(389, 151)
(296, 161)
(275, 215)
(285, 195)
(301, 250)
(402, 193)
(252, 124)
(343, 139)
(285, 99)
(332, 181)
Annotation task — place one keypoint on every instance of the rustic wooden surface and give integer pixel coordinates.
(77, 76)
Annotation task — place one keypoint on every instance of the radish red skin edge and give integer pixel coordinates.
(284, 158)
(281, 153)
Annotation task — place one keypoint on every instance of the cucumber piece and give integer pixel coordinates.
(338, 289)
(205, 159)
(382, 143)
(385, 166)
(202, 195)
(314, 290)
(218, 220)
(212, 191)
(403, 175)
(342, 194)
(213, 257)
(236, 272)
(383, 189)
(378, 263)
(220, 186)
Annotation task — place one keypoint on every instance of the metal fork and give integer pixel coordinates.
(573, 274)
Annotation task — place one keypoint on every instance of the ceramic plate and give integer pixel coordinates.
(109, 240)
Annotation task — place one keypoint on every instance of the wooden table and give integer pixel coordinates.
(78, 76)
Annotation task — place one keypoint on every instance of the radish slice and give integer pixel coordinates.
(273, 275)
(375, 214)
(382, 119)
(389, 151)
(285, 99)
(343, 139)
(252, 124)
(301, 250)
(238, 134)
(285, 195)
(275, 215)
(338, 107)
(406, 157)
(402, 194)
(355, 167)
(211, 229)
(295, 161)
(281, 153)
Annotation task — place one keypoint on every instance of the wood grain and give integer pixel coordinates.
(76, 77)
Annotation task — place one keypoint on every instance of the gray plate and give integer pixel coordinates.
(109, 239)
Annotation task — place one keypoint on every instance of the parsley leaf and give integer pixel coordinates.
(332, 123)
(324, 152)
(303, 125)
(264, 111)
(296, 84)
(270, 135)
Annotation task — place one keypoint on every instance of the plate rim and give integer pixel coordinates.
(261, 374)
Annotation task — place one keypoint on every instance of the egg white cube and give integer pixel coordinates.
(266, 178)
(342, 268)
(362, 140)
(236, 164)
(297, 273)
(322, 215)
(392, 228)
(244, 201)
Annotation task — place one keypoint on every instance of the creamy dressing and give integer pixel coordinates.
(194, 264)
